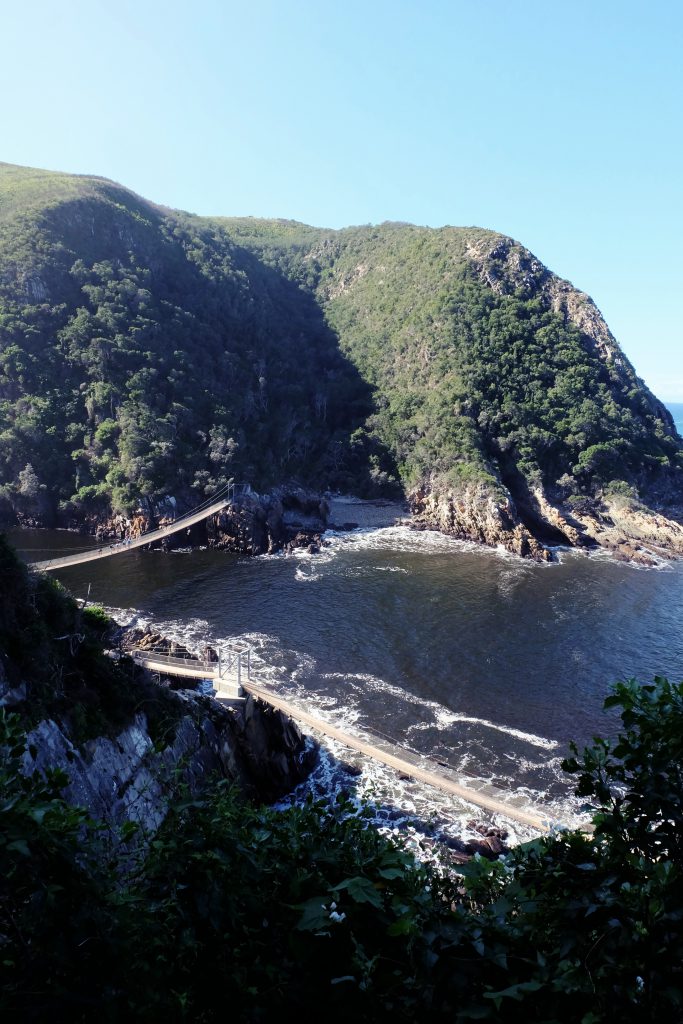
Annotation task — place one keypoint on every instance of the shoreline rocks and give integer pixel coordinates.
(534, 525)
(529, 524)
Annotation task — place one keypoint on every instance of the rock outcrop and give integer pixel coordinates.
(532, 529)
(631, 531)
(133, 777)
(475, 513)
(262, 524)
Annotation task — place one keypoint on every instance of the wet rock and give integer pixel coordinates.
(490, 847)
(476, 513)
(149, 640)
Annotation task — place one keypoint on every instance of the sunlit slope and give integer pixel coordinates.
(148, 351)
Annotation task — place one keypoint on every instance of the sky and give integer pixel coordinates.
(558, 123)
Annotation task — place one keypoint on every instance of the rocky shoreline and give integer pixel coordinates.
(533, 527)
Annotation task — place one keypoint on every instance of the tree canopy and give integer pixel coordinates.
(146, 352)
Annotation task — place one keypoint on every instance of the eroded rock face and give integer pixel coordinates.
(629, 530)
(130, 777)
(261, 524)
(475, 513)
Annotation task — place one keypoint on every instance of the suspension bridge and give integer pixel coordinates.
(231, 675)
(119, 547)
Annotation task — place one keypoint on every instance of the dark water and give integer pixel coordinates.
(473, 657)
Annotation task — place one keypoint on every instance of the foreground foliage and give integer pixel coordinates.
(245, 912)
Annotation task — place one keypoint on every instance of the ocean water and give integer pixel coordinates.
(471, 657)
(676, 410)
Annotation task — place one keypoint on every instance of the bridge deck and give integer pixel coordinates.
(480, 794)
(106, 550)
(226, 673)
(231, 676)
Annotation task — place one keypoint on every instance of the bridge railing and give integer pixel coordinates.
(231, 658)
(235, 658)
(144, 654)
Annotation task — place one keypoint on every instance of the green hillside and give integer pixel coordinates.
(146, 352)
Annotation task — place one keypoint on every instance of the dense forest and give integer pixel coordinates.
(237, 910)
(147, 352)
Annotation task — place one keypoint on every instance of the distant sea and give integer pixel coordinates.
(676, 410)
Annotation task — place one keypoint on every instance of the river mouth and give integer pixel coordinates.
(480, 659)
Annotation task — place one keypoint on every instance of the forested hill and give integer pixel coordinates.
(146, 352)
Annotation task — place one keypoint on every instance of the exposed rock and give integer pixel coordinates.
(262, 524)
(130, 777)
(476, 513)
(629, 530)
(530, 527)
(148, 640)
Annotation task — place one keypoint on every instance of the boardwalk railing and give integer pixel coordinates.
(231, 667)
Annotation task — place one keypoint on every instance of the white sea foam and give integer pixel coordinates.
(660, 564)
(445, 719)
(306, 575)
(401, 804)
(397, 538)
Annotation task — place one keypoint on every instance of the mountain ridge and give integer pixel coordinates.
(161, 352)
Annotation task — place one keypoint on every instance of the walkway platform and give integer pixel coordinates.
(233, 665)
(477, 792)
(231, 677)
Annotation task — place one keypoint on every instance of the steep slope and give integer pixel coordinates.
(145, 352)
(513, 415)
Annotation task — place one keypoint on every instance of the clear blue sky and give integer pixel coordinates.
(556, 122)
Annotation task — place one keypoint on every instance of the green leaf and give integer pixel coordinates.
(517, 991)
(361, 890)
(314, 914)
(391, 873)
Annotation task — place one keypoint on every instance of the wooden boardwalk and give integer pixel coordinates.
(109, 549)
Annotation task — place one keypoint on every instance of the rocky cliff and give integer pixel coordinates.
(130, 776)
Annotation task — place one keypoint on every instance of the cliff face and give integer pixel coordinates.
(476, 513)
(132, 777)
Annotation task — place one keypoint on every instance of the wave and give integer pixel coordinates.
(446, 719)
(401, 804)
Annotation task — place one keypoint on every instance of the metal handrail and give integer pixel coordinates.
(221, 665)
(168, 659)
